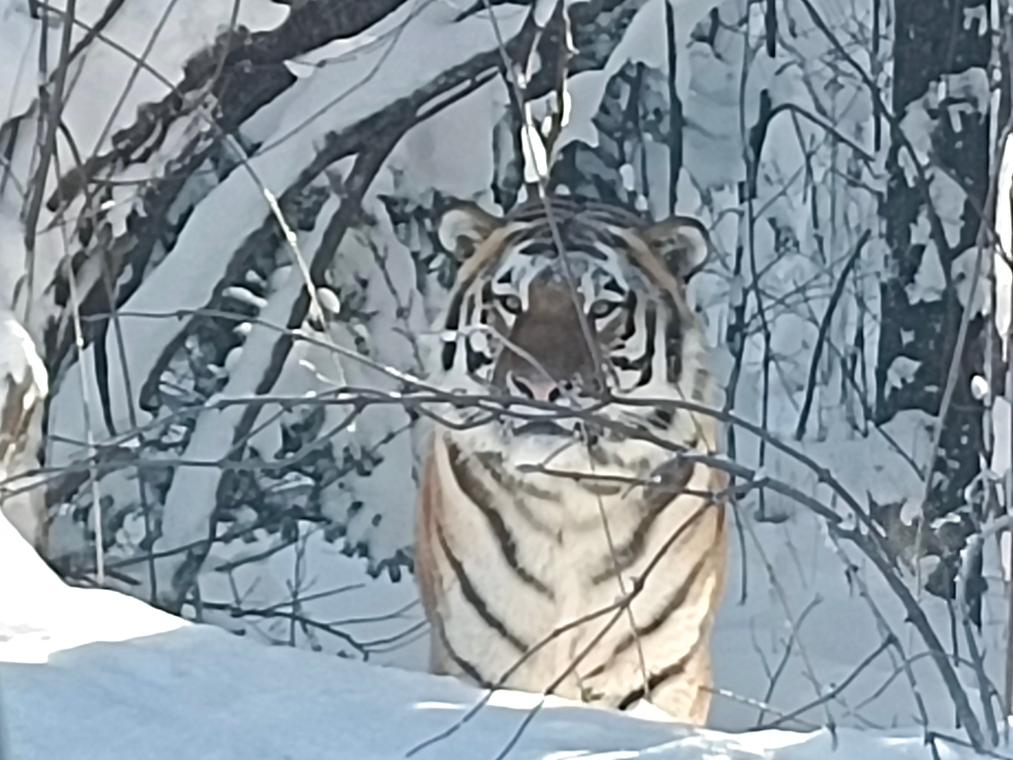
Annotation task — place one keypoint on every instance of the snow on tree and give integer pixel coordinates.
(23, 389)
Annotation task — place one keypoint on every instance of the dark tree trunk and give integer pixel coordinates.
(933, 40)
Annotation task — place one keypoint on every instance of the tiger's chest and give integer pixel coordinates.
(537, 562)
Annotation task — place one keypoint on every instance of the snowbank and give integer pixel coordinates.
(95, 674)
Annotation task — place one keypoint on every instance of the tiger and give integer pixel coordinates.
(530, 522)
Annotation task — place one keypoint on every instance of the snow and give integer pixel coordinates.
(105, 88)
(1004, 231)
(93, 674)
(640, 44)
(793, 572)
(191, 498)
(24, 385)
(202, 253)
(19, 361)
(186, 26)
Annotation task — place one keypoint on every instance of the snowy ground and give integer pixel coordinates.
(95, 674)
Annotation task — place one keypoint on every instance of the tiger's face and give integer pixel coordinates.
(572, 307)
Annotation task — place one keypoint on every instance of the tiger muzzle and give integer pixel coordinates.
(547, 359)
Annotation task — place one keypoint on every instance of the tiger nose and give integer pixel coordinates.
(536, 389)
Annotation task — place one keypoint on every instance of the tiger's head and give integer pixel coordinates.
(606, 319)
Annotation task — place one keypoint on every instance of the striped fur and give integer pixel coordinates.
(504, 556)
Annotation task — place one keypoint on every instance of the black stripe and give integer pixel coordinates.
(644, 362)
(475, 359)
(656, 500)
(530, 242)
(701, 383)
(479, 495)
(467, 666)
(630, 551)
(614, 287)
(675, 601)
(647, 370)
(631, 317)
(474, 598)
(654, 680)
(453, 322)
(532, 234)
(590, 252)
(609, 239)
(662, 418)
(492, 464)
(599, 488)
(565, 208)
(673, 341)
(537, 247)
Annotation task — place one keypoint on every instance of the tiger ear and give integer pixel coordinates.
(681, 242)
(463, 226)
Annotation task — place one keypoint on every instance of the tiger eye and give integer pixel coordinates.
(601, 309)
(511, 304)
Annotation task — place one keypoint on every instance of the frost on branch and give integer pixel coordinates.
(205, 309)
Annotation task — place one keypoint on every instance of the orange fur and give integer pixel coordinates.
(503, 558)
(426, 572)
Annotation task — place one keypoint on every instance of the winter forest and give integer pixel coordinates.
(220, 270)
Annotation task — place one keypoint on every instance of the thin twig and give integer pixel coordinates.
(834, 691)
(37, 188)
(824, 328)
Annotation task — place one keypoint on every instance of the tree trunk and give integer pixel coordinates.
(921, 312)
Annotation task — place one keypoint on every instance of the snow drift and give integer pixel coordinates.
(94, 674)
